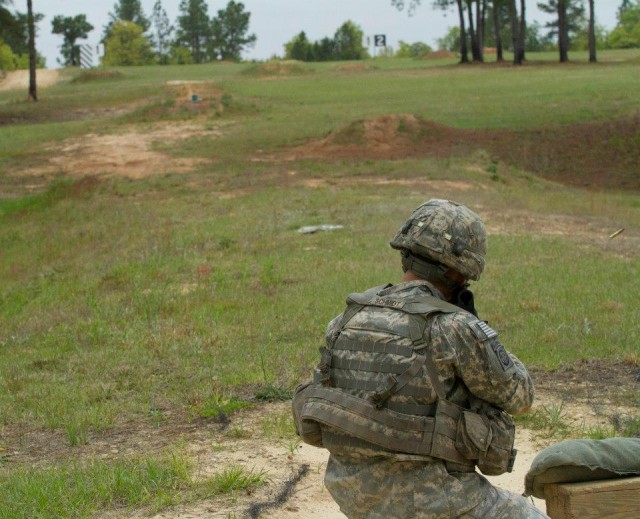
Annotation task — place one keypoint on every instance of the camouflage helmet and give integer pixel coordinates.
(447, 233)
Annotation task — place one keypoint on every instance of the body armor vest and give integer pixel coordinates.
(376, 382)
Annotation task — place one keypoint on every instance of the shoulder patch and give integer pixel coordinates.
(482, 330)
(504, 360)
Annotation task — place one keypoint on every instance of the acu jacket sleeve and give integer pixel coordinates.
(488, 370)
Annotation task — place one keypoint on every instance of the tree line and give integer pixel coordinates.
(133, 38)
(502, 25)
(346, 44)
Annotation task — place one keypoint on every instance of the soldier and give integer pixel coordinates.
(413, 391)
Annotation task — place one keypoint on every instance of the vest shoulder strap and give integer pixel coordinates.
(425, 304)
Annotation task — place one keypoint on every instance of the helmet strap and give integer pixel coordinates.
(427, 269)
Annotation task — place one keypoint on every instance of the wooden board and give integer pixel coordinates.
(611, 499)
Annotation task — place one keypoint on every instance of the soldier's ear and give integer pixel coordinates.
(456, 277)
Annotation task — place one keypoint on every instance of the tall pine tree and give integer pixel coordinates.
(162, 30)
(194, 31)
(33, 94)
(570, 19)
(129, 11)
(229, 32)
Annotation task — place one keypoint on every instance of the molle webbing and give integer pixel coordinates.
(336, 441)
(360, 418)
(345, 382)
(373, 347)
(394, 431)
(395, 384)
(416, 409)
(350, 373)
(379, 414)
(387, 366)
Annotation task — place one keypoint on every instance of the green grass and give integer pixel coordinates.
(218, 407)
(188, 296)
(279, 426)
(232, 479)
(36, 202)
(110, 306)
(552, 423)
(81, 490)
(562, 319)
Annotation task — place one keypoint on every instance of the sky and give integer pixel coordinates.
(275, 22)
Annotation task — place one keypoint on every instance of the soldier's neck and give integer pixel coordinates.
(410, 276)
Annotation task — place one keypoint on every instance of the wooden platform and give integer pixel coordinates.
(610, 499)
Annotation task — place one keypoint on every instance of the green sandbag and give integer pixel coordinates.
(572, 461)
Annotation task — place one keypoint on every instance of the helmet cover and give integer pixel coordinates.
(448, 233)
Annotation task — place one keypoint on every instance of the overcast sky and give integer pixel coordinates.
(276, 21)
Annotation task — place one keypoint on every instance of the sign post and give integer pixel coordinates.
(380, 40)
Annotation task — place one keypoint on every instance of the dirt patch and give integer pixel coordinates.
(430, 186)
(214, 447)
(594, 231)
(194, 92)
(129, 154)
(593, 155)
(20, 79)
(438, 54)
(277, 68)
(596, 155)
(595, 392)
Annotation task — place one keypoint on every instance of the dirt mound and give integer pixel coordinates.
(441, 54)
(595, 155)
(195, 96)
(277, 68)
(387, 136)
(354, 67)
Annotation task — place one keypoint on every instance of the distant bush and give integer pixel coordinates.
(412, 50)
(8, 60)
(97, 75)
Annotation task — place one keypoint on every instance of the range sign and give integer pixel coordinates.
(380, 40)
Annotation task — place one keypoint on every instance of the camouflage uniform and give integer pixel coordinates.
(413, 392)
(369, 482)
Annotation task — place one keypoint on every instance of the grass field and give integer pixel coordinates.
(178, 296)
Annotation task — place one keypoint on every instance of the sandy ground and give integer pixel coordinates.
(311, 499)
(308, 498)
(20, 79)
